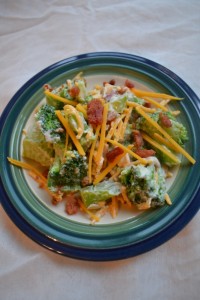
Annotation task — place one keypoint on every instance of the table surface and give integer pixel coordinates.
(35, 34)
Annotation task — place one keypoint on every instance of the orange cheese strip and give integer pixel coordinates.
(142, 160)
(157, 126)
(61, 99)
(140, 93)
(70, 132)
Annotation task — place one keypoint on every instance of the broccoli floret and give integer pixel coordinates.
(49, 124)
(145, 185)
(67, 175)
(177, 131)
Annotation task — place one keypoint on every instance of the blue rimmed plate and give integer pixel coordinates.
(130, 234)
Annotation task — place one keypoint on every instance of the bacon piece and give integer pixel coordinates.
(95, 112)
(112, 82)
(147, 104)
(129, 84)
(74, 91)
(72, 205)
(122, 90)
(47, 87)
(145, 152)
(165, 121)
(138, 138)
(112, 154)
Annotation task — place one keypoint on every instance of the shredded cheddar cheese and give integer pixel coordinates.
(114, 207)
(125, 123)
(164, 141)
(175, 112)
(27, 166)
(92, 153)
(155, 103)
(125, 197)
(70, 132)
(164, 133)
(119, 131)
(147, 109)
(93, 217)
(102, 175)
(42, 180)
(102, 134)
(140, 93)
(69, 109)
(61, 99)
(114, 126)
(81, 108)
(126, 149)
(167, 199)
(160, 147)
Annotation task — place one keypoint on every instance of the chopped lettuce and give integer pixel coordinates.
(101, 192)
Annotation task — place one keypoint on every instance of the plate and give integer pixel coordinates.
(123, 237)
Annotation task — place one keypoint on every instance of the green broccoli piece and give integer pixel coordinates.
(67, 175)
(49, 124)
(145, 185)
(177, 131)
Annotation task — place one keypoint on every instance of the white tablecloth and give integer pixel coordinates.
(35, 34)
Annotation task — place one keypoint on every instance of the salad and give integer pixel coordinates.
(104, 148)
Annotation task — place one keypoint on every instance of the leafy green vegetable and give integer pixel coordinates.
(165, 159)
(100, 192)
(118, 101)
(36, 148)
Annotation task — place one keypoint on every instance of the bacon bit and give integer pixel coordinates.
(95, 112)
(147, 104)
(45, 173)
(74, 91)
(112, 82)
(112, 115)
(47, 87)
(138, 138)
(112, 154)
(165, 121)
(145, 152)
(72, 204)
(129, 84)
(122, 90)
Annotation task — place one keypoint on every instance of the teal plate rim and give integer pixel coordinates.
(99, 242)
